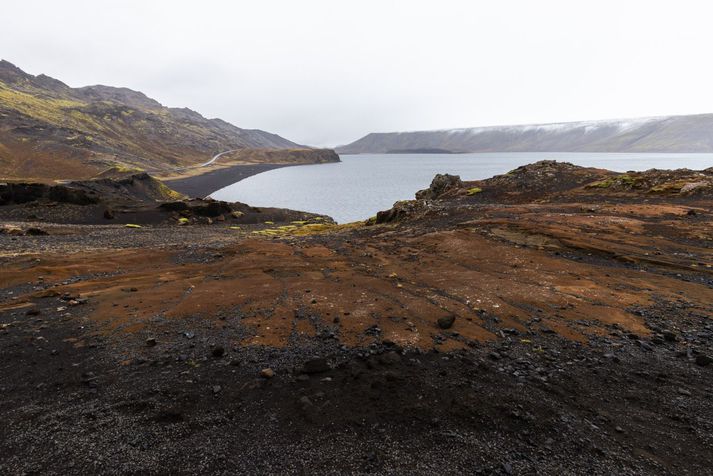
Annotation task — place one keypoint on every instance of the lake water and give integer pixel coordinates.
(361, 185)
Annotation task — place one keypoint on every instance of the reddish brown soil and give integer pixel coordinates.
(579, 345)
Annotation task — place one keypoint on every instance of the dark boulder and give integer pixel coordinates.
(316, 366)
(440, 184)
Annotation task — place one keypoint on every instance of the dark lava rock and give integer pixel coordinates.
(218, 352)
(441, 183)
(316, 366)
(703, 360)
(670, 336)
(109, 214)
(151, 342)
(446, 322)
(36, 232)
(174, 206)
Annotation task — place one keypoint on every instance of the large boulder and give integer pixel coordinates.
(440, 184)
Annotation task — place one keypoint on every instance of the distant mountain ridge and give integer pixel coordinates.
(692, 133)
(50, 130)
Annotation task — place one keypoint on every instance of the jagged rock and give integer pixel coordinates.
(440, 184)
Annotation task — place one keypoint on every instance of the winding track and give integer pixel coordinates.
(216, 157)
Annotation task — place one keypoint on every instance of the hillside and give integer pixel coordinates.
(655, 134)
(49, 130)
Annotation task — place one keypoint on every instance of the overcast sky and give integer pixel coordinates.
(328, 72)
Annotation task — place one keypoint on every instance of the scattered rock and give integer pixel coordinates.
(218, 352)
(151, 342)
(446, 322)
(267, 373)
(109, 214)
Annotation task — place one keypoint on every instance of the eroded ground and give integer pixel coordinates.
(484, 332)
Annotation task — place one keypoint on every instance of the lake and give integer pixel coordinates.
(361, 185)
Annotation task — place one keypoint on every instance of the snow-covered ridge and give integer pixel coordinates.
(589, 126)
(680, 134)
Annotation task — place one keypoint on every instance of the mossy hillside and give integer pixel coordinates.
(51, 110)
(619, 181)
(84, 130)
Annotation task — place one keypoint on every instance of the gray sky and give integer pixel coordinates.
(328, 72)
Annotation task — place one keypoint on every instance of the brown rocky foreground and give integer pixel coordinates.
(553, 320)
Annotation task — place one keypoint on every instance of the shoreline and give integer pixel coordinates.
(203, 185)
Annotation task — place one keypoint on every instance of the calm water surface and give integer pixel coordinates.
(361, 185)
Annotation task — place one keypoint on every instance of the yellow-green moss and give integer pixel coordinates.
(625, 180)
(474, 191)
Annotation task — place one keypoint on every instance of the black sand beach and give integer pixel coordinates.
(205, 184)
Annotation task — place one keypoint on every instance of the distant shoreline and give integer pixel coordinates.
(209, 182)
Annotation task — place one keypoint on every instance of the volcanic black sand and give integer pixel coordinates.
(552, 320)
(209, 182)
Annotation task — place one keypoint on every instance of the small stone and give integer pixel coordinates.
(217, 389)
(703, 360)
(218, 352)
(683, 391)
(390, 358)
(669, 336)
(36, 232)
(619, 429)
(446, 322)
(316, 366)
(151, 341)
(267, 373)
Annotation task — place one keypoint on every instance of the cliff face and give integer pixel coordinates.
(658, 134)
(50, 130)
